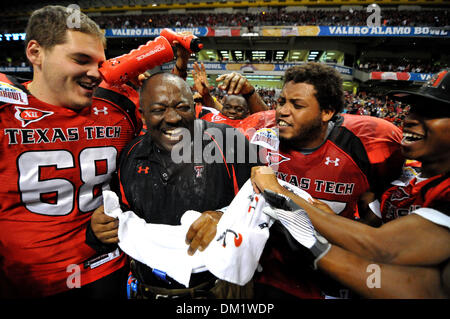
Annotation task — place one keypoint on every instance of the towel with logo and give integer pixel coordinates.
(232, 255)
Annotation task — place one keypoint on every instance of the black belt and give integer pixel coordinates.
(154, 278)
(200, 291)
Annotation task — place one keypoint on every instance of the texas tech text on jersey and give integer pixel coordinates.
(54, 135)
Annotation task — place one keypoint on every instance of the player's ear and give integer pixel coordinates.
(34, 52)
(327, 114)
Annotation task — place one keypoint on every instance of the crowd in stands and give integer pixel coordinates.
(280, 17)
(432, 18)
(269, 95)
(390, 65)
(377, 105)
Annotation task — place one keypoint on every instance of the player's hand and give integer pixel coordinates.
(140, 79)
(202, 231)
(264, 178)
(235, 83)
(105, 228)
(201, 84)
(321, 205)
(183, 54)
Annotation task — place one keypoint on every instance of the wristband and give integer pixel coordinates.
(247, 95)
(319, 249)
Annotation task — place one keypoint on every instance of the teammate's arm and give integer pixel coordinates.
(236, 83)
(374, 280)
(395, 242)
(180, 67)
(201, 84)
(366, 214)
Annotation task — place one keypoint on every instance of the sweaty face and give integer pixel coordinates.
(300, 121)
(426, 139)
(70, 71)
(235, 107)
(167, 105)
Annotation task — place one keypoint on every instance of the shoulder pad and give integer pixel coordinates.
(124, 97)
(11, 91)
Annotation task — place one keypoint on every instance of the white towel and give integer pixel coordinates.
(232, 255)
(241, 235)
(158, 246)
(244, 229)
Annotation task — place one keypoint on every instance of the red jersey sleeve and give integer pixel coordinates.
(382, 141)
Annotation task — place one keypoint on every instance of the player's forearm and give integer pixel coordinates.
(374, 280)
(180, 67)
(392, 243)
(256, 103)
(351, 235)
(209, 101)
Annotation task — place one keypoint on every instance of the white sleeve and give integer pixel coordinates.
(433, 216)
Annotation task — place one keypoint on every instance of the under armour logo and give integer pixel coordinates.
(198, 169)
(217, 118)
(253, 206)
(143, 170)
(335, 162)
(104, 110)
(237, 238)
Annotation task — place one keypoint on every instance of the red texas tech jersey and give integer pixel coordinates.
(400, 201)
(215, 116)
(248, 125)
(357, 152)
(54, 164)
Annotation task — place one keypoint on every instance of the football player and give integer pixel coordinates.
(334, 157)
(407, 257)
(61, 136)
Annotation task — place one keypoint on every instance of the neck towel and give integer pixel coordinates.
(232, 255)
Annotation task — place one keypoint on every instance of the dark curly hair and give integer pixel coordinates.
(326, 81)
